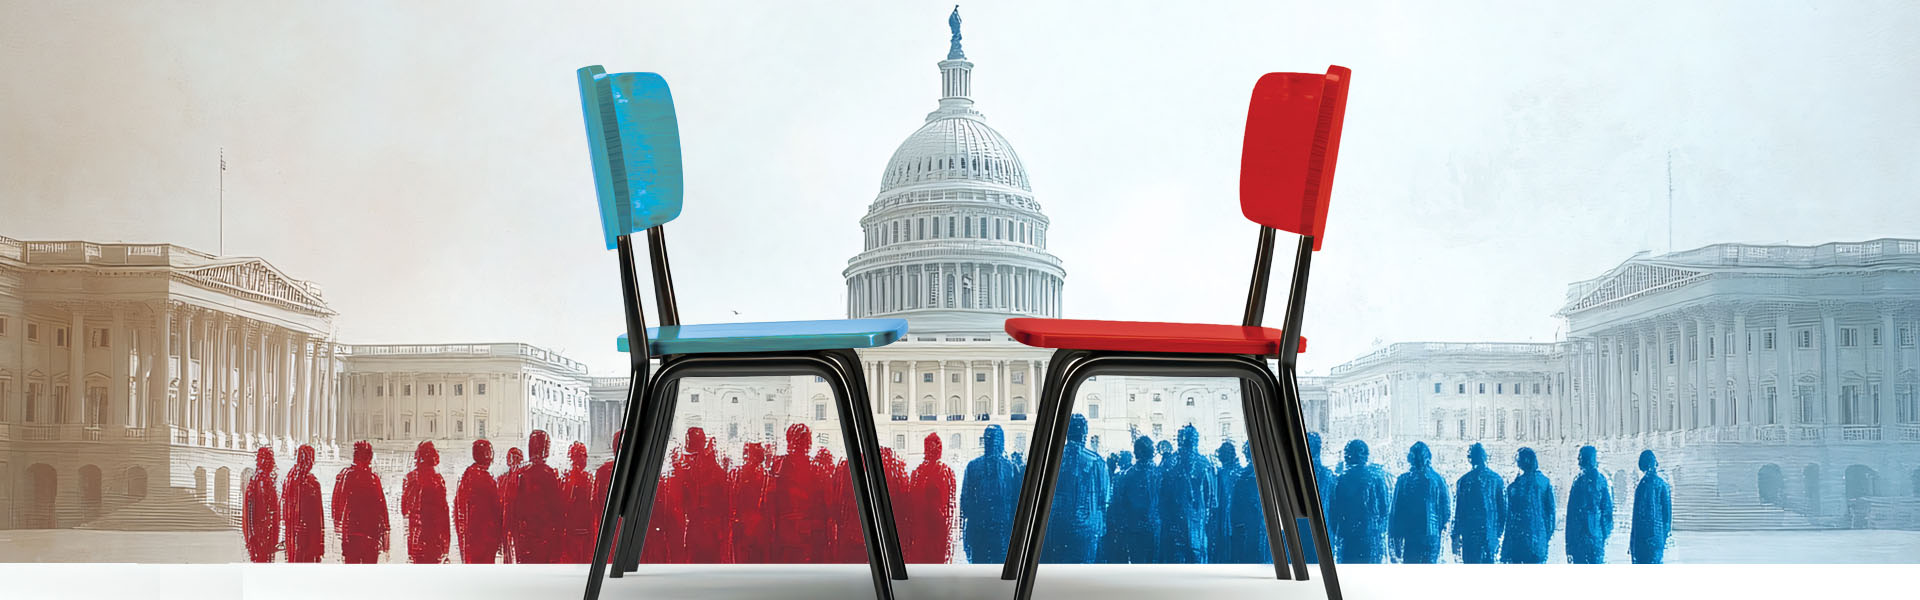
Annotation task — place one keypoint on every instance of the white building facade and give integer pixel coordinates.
(396, 396)
(130, 369)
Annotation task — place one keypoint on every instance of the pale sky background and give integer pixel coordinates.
(425, 162)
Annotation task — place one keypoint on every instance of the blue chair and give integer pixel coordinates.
(634, 140)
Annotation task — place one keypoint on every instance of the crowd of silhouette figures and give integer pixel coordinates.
(1160, 502)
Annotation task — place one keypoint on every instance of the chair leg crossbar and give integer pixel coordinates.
(638, 461)
(1275, 433)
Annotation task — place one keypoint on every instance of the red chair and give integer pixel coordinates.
(1286, 176)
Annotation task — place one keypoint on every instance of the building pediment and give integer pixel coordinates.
(254, 279)
(1630, 281)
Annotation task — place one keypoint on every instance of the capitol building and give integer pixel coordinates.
(1776, 382)
(955, 242)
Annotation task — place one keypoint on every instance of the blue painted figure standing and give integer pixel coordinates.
(1079, 514)
(1530, 513)
(987, 495)
(1220, 522)
(1187, 497)
(1589, 512)
(1652, 514)
(1246, 540)
(1133, 518)
(1323, 480)
(1420, 509)
(1360, 506)
(1480, 511)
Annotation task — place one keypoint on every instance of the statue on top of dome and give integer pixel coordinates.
(953, 22)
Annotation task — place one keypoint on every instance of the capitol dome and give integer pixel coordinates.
(955, 147)
(955, 242)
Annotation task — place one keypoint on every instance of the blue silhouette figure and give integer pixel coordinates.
(1133, 518)
(1652, 514)
(1589, 512)
(1420, 509)
(1323, 480)
(1360, 505)
(1019, 463)
(1530, 513)
(1166, 452)
(1220, 522)
(1079, 515)
(1480, 510)
(1246, 539)
(986, 501)
(1187, 497)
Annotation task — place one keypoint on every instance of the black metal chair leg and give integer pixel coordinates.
(878, 562)
(880, 497)
(661, 406)
(1260, 448)
(1282, 504)
(1293, 428)
(1036, 451)
(616, 490)
(1049, 463)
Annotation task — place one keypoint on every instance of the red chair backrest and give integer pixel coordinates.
(1293, 139)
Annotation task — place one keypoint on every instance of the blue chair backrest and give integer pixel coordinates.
(635, 142)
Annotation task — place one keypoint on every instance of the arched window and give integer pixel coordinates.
(1019, 408)
(956, 409)
(927, 409)
(982, 408)
(898, 407)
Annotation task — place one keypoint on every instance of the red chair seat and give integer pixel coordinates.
(1145, 336)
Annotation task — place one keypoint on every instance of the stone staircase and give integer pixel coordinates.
(167, 509)
(1724, 515)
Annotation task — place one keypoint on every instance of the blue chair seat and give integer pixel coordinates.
(772, 336)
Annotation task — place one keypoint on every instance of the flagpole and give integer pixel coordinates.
(223, 202)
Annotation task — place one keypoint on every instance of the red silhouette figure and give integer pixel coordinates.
(794, 500)
(537, 507)
(603, 483)
(423, 501)
(928, 520)
(748, 500)
(262, 518)
(583, 517)
(509, 484)
(305, 515)
(849, 541)
(667, 526)
(476, 509)
(360, 509)
(896, 473)
(703, 492)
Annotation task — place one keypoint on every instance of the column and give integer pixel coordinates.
(966, 376)
(77, 340)
(885, 388)
(940, 400)
(1683, 369)
(1743, 384)
(1644, 412)
(913, 388)
(303, 384)
(872, 372)
(1000, 377)
(159, 371)
(1783, 371)
(181, 411)
(1829, 388)
(119, 342)
(1889, 371)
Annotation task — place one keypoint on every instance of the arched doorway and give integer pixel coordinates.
(1772, 484)
(200, 483)
(136, 483)
(222, 486)
(1811, 480)
(44, 488)
(1862, 481)
(90, 491)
